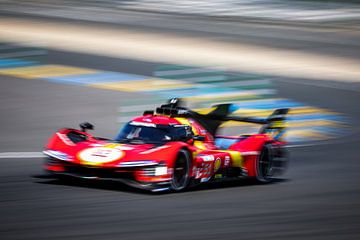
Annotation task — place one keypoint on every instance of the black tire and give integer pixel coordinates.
(181, 175)
(264, 163)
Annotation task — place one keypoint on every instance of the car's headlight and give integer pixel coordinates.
(57, 154)
(154, 171)
(161, 170)
(137, 163)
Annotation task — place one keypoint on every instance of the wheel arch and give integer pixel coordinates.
(178, 163)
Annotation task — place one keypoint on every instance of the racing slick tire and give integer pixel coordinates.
(181, 175)
(263, 165)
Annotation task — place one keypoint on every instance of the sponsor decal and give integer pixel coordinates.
(203, 171)
(99, 155)
(203, 131)
(218, 176)
(217, 164)
(207, 169)
(207, 158)
(227, 161)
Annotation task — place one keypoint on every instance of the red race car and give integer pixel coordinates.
(171, 148)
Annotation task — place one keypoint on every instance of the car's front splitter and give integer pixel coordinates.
(149, 186)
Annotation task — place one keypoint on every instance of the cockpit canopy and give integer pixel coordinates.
(143, 132)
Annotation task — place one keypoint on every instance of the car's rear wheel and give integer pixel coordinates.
(264, 164)
(181, 174)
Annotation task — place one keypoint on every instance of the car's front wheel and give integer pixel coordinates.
(181, 174)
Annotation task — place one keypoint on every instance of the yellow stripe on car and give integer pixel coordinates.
(236, 158)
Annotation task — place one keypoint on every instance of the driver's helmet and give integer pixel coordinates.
(183, 133)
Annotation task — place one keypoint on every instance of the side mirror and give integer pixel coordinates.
(199, 138)
(86, 126)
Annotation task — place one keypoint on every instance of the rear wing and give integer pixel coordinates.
(274, 124)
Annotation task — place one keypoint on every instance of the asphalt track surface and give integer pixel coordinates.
(318, 198)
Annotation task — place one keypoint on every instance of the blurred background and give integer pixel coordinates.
(63, 62)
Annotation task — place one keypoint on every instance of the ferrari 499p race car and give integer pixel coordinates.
(171, 148)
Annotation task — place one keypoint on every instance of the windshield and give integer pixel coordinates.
(143, 134)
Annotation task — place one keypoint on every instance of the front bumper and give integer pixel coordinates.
(126, 176)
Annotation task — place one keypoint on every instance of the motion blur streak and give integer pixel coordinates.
(180, 50)
(198, 85)
(319, 195)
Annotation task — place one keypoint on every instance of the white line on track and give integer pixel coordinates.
(21, 155)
